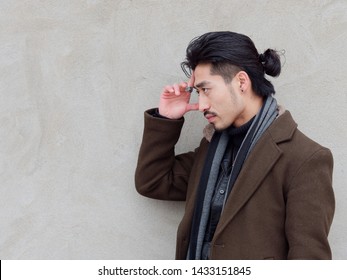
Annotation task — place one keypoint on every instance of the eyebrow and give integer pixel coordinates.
(202, 84)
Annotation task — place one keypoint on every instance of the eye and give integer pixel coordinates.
(204, 90)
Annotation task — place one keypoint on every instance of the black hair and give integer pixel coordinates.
(231, 52)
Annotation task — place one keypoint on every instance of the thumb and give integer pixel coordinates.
(192, 107)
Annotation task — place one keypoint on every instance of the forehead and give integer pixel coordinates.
(202, 69)
(202, 74)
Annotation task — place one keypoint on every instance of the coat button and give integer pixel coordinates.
(222, 191)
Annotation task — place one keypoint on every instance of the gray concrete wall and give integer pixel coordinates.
(75, 78)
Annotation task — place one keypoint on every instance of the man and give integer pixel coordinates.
(256, 187)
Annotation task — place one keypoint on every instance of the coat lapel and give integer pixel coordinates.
(256, 167)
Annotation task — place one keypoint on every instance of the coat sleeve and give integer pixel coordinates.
(159, 173)
(310, 208)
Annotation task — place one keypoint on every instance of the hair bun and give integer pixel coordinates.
(271, 62)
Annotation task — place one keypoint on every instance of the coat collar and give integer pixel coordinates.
(259, 163)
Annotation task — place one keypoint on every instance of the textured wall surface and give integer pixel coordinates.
(75, 78)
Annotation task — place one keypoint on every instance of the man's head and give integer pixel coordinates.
(229, 76)
(229, 53)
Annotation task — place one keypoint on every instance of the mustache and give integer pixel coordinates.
(209, 113)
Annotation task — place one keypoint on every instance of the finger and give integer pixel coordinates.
(192, 107)
(183, 86)
(168, 89)
(177, 89)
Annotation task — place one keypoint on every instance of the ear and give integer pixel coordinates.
(244, 81)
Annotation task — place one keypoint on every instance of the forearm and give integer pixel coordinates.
(159, 173)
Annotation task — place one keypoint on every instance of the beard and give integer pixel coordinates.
(210, 114)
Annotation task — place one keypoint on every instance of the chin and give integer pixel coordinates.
(219, 128)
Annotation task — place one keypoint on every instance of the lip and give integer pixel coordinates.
(210, 117)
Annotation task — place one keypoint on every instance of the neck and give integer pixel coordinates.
(252, 107)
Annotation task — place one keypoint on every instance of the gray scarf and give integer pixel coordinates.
(217, 147)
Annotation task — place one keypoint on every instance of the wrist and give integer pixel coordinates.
(158, 115)
(155, 113)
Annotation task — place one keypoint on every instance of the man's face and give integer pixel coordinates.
(221, 103)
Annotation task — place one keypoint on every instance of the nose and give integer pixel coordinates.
(203, 103)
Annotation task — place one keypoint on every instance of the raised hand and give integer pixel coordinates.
(174, 100)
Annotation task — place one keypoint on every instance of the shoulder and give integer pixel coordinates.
(284, 128)
(294, 144)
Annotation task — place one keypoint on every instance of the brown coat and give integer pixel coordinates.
(281, 206)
